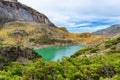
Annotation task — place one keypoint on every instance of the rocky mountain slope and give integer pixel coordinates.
(15, 11)
(25, 26)
(114, 30)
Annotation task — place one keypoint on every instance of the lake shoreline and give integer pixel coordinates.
(53, 45)
(55, 53)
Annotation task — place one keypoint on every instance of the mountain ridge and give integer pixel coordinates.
(110, 31)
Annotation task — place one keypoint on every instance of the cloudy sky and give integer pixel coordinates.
(79, 15)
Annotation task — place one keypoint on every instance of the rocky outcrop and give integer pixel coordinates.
(110, 31)
(14, 53)
(15, 11)
(64, 29)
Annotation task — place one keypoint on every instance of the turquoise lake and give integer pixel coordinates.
(58, 52)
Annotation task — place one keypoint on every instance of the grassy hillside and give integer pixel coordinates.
(33, 34)
(106, 47)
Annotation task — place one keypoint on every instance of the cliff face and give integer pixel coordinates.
(10, 11)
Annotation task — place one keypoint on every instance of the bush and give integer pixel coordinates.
(112, 42)
(93, 50)
(80, 52)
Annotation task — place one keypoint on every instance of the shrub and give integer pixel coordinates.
(94, 50)
(80, 52)
(112, 42)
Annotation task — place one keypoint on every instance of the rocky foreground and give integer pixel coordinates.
(22, 55)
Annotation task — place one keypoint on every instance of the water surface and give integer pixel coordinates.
(57, 52)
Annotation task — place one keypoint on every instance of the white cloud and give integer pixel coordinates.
(68, 12)
(87, 29)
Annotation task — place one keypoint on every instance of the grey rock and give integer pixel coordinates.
(15, 11)
(15, 53)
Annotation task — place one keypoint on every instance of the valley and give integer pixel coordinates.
(34, 48)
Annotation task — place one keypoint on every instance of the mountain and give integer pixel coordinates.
(110, 31)
(15, 11)
(25, 26)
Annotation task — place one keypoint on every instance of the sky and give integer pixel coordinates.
(79, 15)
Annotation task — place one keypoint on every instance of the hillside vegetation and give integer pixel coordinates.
(106, 47)
(34, 34)
(101, 62)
